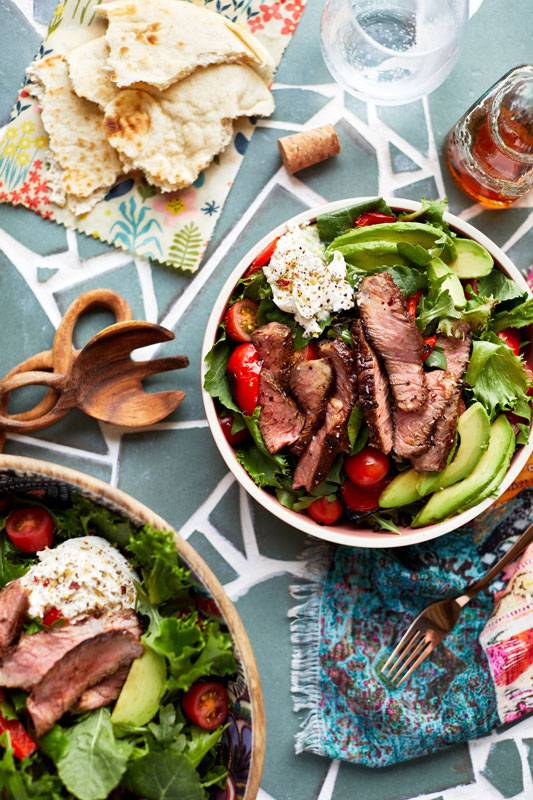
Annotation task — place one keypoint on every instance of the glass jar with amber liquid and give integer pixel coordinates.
(490, 150)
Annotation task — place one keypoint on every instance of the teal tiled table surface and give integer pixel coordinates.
(175, 468)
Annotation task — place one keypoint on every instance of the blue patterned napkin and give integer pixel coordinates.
(355, 610)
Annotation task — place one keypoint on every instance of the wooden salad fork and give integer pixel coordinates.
(430, 627)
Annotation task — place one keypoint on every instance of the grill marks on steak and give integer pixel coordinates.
(310, 382)
(331, 437)
(393, 333)
(26, 665)
(82, 667)
(372, 392)
(280, 420)
(14, 604)
(414, 429)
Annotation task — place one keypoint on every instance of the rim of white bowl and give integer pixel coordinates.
(343, 534)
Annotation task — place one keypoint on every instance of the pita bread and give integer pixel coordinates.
(89, 73)
(158, 42)
(83, 163)
(174, 135)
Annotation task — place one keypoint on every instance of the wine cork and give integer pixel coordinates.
(304, 149)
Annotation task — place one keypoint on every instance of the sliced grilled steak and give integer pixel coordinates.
(435, 458)
(13, 608)
(391, 331)
(280, 420)
(274, 345)
(414, 429)
(457, 351)
(104, 692)
(331, 437)
(86, 665)
(372, 392)
(27, 663)
(309, 383)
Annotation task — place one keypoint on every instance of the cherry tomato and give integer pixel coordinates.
(244, 367)
(30, 529)
(309, 352)
(470, 288)
(367, 467)
(362, 498)
(429, 346)
(241, 320)
(21, 742)
(325, 511)
(206, 704)
(372, 218)
(235, 439)
(412, 303)
(52, 615)
(263, 258)
(511, 337)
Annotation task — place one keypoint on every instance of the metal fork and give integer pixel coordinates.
(430, 627)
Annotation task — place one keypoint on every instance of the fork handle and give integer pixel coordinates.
(517, 549)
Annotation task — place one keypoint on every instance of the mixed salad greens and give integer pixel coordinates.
(156, 742)
(447, 282)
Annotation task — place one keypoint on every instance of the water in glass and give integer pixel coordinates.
(391, 51)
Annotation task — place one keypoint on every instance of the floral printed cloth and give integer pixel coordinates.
(173, 227)
(358, 606)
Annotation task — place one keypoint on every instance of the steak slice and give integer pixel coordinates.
(393, 333)
(372, 392)
(14, 604)
(27, 663)
(310, 382)
(104, 692)
(457, 351)
(280, 420)
(273, 342)
(331, 438)
(82, 667)
(414, 429)
(436, 457)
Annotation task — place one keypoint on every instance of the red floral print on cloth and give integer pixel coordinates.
(33, 193)
(288, 15)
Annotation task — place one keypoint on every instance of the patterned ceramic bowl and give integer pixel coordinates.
(347, 534)
(244, 739)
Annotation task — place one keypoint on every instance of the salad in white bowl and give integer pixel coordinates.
(370, 369)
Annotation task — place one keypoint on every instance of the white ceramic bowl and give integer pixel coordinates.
(343, 533)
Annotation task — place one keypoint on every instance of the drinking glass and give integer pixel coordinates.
(391, 51)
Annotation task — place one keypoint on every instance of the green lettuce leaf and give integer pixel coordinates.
(164, 775)
(334, 223)
(477, 313)
(216, 378)
(92, 519)
(499, 286)
(264, 468)
(355, 420)
(13, 563)
(437, 359)
(154, 554)
(434, 308)
(517, 317)
(498, 378)
(431, 210)
(201, 743)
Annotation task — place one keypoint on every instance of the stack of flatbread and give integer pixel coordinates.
(158, 92)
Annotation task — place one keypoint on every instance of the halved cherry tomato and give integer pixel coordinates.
(325, 511)
(235, 439)
(359, 498)
(309, 352)
(21, 742)
(241, 320)
(470, 288)
(244, 367)
(367, 467)
(263, 258)
(52, 615)
(511, 337)
(206, 704)
(429, 346)
(372, 218)
(30, 529)
(412, 303)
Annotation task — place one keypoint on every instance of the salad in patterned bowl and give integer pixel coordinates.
(370, 369)
(118, 675)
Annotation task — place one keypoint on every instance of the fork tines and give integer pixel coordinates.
(410, 651)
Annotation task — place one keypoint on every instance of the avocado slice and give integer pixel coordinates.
(141, 695)
(437, 270)
(402, 491)
(370, 255)
(495, 483)
(473, 428)
(411, 232)
(449, 501)
(472, 260)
